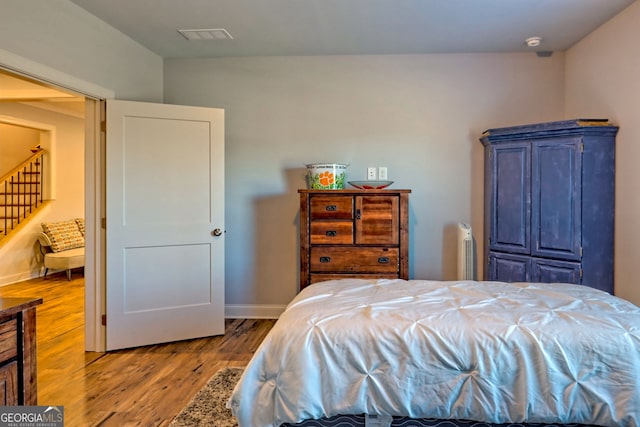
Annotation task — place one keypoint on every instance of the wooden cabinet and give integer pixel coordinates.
(353, 233)
(18, 351)
(549, 203)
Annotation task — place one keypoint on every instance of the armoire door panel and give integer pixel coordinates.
(556, 185)
(511, 203)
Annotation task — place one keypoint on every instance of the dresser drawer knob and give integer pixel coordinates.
(331, 233)
(383, 260)
(325, 259)
(331, 208)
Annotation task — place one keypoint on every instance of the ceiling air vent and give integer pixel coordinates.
(206, 34)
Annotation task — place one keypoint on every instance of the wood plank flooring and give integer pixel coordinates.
(146, 386)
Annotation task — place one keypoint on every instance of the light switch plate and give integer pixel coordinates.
(382, 173)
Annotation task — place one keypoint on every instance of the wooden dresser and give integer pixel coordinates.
(18, 351)
(353, 233)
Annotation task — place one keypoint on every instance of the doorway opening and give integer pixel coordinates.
(74, 117)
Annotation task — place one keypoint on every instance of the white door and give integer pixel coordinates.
(164, 223)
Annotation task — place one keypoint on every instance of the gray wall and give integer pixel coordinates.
(62, 36)
(59, 40)
(16, 143)
(419, 115)
(602, 80)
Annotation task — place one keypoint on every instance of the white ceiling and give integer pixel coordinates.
(14, 88)
(327, 27)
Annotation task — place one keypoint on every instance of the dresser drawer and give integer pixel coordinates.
(331, 232)
(9, 385)
(8, 340)
(331, 207)
(349, 259)
(321, 277)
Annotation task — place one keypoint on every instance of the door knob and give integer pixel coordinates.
(217, 232)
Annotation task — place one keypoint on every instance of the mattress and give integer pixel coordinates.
(489, 352)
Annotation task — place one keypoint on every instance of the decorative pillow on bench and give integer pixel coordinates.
(80, 222)
(63, 235)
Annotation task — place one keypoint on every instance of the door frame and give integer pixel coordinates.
(95, 272)
(95, 331)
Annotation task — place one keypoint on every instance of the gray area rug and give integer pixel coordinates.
(207, 408)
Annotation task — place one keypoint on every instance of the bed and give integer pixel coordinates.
(488, 352)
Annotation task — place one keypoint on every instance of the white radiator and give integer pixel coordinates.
(466, 253)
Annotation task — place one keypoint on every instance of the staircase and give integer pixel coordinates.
(21, 192)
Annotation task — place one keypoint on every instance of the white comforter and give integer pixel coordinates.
(485, 351)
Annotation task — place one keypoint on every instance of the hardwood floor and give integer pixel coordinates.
(146, 386)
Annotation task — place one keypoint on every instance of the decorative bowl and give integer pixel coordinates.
(370, 185)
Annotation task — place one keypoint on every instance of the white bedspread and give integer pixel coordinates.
(485, 351)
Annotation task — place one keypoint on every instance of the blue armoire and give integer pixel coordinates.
(549, 203)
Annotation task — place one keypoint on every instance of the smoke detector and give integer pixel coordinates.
(206, 34)
(533, 41)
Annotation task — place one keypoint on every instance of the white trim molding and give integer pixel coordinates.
(43, 73)
(245, 311)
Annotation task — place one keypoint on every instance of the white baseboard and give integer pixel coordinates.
(19, 277)
(241, 311)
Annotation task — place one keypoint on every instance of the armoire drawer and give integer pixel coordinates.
(350, 259)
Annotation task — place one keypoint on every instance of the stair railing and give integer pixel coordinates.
(21, 190)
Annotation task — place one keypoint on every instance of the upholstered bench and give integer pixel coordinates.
(62, 244)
